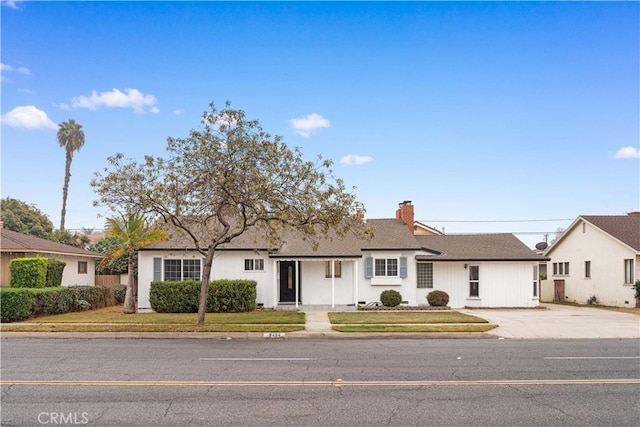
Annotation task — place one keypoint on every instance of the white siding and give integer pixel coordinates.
(607, 257)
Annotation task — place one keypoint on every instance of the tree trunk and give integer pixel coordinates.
(129, 300)
(65, 188)
(204, 287)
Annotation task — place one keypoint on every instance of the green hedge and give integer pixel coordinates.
(48, 301)
(28, 272)
(15, 304)
(21, 303)
(224, 296)
(54, 273)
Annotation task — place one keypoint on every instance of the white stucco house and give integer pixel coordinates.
(495, 270)
(80, 268)
(596, 256)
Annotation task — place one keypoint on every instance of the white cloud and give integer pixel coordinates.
(627, 153)
(355, 160)
(6, 68)
(13, 4)
(130, 98)
(305, 125)
(28, 117)
(178, 112)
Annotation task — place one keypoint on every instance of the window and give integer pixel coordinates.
(474, 281)
(254, 264)
(628, 271)
(535, 281)
(82, 267)
(560, 268)
(191, 269)
(425, 275)
(587, 269)
(179, 269)
(337, 269)
(386, 267)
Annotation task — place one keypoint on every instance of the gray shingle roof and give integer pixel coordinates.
(12, 241)
(476, 247)
(390, 234)
(625, 228)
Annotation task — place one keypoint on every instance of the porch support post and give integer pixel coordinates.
(333, 283)
(276, 265)
(296, 281)
(355, 282)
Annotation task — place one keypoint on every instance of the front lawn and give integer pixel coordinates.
(406, 317)
(112, 319)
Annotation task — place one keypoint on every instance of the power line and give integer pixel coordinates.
(496, 221)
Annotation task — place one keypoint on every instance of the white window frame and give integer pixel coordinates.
(475, 281)
(254, 264)
(628, 271)
(337, 269)
(386, 267)
(181, 268)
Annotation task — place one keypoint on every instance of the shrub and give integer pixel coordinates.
(390, 298)
(231, 296)
(438, 298)
(16, 304)
(119, 292)
(184, 297)
(28, 272)
(636, 287)
(54, 273)
(48, 301)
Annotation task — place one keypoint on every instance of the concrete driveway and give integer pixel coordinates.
(560, 321)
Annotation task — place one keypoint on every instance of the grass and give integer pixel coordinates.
(112, 319)
(385, 321)
(415, 328)
(396, 317)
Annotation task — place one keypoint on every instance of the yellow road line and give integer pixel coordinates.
(334, 383)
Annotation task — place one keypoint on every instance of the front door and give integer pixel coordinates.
(558, 288)
(288, 281)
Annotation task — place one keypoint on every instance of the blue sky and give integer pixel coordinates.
(489, 116)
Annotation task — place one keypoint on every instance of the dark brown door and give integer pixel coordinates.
(558, 294)
(288, 273)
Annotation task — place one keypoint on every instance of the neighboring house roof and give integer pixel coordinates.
(476, 247)
(422, 228)
(624, 228)
(12, 241)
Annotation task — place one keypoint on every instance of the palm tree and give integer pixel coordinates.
(132, 233)
(71, 137)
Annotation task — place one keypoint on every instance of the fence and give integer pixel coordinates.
(108, 279)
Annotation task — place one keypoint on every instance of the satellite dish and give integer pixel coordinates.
(541, 246)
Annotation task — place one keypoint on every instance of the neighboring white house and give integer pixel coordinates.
(597, 256)
(80, 268)
(495, 270)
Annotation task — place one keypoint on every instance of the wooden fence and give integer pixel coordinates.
(107, 279)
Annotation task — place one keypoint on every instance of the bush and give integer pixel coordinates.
(16, 304)
(54, 273)
(438, 298)
(119, 292)
(224, 296)
(390, 298)
(28, 272)
(47, 301)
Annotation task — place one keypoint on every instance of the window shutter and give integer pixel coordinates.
(368, 268)
(157, 269)
(403, 267)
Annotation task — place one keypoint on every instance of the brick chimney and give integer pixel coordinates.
(405, 213)
(636, 213)
(1, 224)
(359, 214)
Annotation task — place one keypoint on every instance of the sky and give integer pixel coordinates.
(489, 116)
